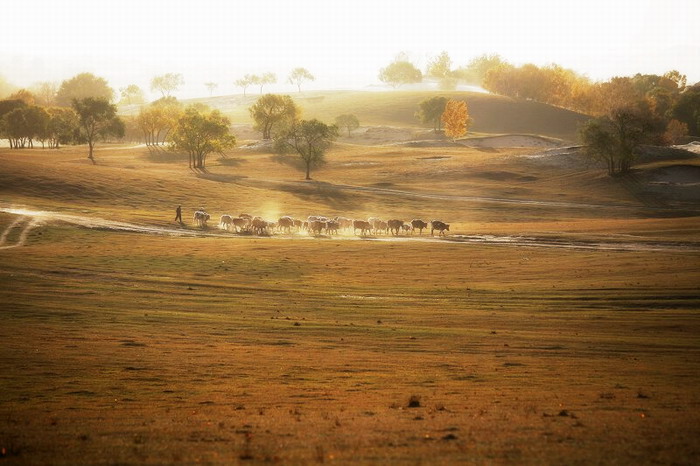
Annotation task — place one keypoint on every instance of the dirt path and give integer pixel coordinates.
(29, 219)
(23, 223)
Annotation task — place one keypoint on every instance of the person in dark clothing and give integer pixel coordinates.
(178, 214)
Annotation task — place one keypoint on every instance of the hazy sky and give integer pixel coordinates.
(343, 43)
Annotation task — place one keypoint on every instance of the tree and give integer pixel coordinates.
(476, 69)
(6, 88)
(400, 72)
(7, 106)
(348, 121)
(82, 86)
(24, 124)
(310, 139)
(298, 76)
(200, 134)
(687, 109)
(132, 94)
(62, 126)
(97, 118)
(45, 93)
(157, 120)
(675, 131)
(273, 111)
(430, 111)
(614, 139)
(24, 95)
(211, 87)
(266, 78)
(455, 118)
(244, 82)
(167, 84)
(440, 66)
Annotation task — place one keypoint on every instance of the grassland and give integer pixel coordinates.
(491, 114)
(122, 347)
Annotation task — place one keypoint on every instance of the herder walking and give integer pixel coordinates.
(178, 214)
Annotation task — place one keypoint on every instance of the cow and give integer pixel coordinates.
(286, 223)
(381, 225)
(441, 227)
(225, 222)
(259, 226)
(200, 218)
(361, 225)
(419, 225)
(240, 223)
(344, 223)
(395, 226)
(332, 227)
(316, 227)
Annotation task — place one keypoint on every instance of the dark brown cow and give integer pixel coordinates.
(441, 227)
(419, 225)
(395, 226)
(361, 225)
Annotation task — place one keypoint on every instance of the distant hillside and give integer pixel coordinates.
(491, 113)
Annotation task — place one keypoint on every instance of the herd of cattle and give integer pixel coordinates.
(318, 225)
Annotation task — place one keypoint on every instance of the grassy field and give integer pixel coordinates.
(125, 347)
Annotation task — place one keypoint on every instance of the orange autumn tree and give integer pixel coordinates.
(455, 119)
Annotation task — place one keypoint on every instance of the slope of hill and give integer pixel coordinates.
(491, 113)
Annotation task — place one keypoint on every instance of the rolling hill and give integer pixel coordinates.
(491, 113)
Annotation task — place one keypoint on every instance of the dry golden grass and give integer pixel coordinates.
(134, 348)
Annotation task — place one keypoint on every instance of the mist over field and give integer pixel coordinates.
(344, 44)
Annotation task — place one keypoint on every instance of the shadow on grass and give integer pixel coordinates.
(289, 160)
(218, 177)
(160, 154)
(317, 191)
(231, 161)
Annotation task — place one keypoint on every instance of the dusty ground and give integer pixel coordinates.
(137, 346)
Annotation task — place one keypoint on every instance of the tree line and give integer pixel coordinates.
(668, 96)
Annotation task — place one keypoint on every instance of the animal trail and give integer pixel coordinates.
(22, 224)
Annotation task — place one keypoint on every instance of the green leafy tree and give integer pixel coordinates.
(348, 121)
(615, 139)
(24, 124)
(200, 134)
(273, 111)
(430, 111)
(167, 84)
(400, 72)
(687, 109)
(298, 76)
(97, 118)
(82, 86)
(310, 139)
(7, 106)
(62, 126)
